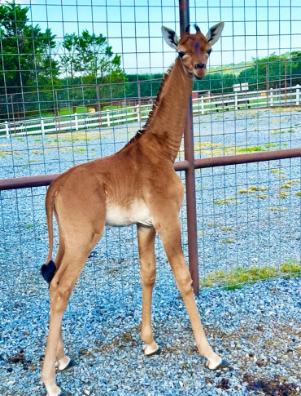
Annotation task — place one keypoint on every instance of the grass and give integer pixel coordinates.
(261, 196)
(212, 224)
(276, 171)
(227, 240)
(229, 200)
(225, 228)
(250, 190)
(241, 276)
(278, 209)
(210, 149)
(277, 131)
(282, 195)
(285, 185)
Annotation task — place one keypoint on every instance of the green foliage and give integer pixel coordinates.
(90, 60)
(90, 55)
(27, 51)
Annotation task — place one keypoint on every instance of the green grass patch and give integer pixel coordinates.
(29, 226)
(277, 131)
(212, 225)
(227, 240)
(261, 196)
(278, 209)
(229, 200)
(225, 228)
(239, 277)
(282, 195)
(285, 185)
(276, 171)
(251, 190)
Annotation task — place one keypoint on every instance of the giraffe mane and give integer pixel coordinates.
(154, 108)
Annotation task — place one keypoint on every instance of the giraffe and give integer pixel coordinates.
(136, 185)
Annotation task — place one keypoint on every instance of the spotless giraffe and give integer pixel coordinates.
(136, 185)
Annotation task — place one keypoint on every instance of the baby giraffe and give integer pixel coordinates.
(136, 185)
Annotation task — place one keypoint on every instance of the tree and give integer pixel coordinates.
(89, 56)
(25, 51)
(90, 60)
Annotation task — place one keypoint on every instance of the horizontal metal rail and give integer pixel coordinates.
(258, 156)
(45, 180)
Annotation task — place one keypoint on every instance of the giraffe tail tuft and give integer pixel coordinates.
(48, 271)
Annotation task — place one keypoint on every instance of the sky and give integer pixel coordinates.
(253, 28)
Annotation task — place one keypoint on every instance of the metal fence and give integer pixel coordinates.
(239, 158)
(204, 104)
(226, 206)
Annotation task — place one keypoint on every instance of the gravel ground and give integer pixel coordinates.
(257, 328)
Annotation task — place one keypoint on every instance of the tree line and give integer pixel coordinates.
(31, 59)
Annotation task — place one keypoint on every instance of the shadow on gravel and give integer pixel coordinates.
(273, 387)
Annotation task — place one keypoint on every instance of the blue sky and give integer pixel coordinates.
(133, 27)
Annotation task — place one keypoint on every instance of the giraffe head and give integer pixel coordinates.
(193, 49)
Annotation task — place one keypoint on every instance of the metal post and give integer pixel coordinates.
(76, 121)
(57, 112)
(271, 97)
(98, 104)
(235, 101)
(7, 129)
(42, 126)
(190, 176)
(139, 101)
(285, 81)
(13, 112)
(267, 84)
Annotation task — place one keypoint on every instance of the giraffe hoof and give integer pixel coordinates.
(64, 393)
(69, 365)
(156, 352)
(221, 365)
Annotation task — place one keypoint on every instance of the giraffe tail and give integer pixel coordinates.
(48, 269)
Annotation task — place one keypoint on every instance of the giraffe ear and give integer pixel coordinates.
(214, 33)
(170, 37)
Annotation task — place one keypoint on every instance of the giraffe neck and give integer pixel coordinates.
(167, 122)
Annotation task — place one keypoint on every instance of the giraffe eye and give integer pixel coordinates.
(209, 52)
(181, 54)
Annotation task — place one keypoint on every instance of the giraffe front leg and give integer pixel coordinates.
(170, 233)
(63, 362)
(146, 241)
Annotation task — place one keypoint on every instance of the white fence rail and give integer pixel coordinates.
(202, 105)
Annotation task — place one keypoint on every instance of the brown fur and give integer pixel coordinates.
(138, 179)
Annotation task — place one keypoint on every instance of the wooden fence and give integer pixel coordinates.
(200, 106)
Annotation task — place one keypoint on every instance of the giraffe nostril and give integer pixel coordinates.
(200, 66)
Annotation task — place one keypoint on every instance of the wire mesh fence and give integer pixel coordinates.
(76, 83)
